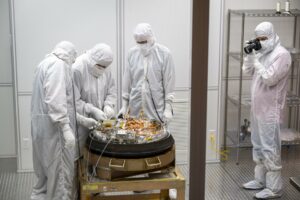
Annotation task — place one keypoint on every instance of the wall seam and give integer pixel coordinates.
(120, 49)
(6, 84)
(15, 82)
(221, 46)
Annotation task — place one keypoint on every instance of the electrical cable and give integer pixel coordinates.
(153, 102)
(76, 133)
(96, 165)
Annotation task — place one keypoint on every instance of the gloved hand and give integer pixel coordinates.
(86, 122)
(250, 59)
(109, 111)
(99, 114)
(124, 108)
(250, 62)
(89, 123)
(68, 136)
(96, 112)
(168, 113)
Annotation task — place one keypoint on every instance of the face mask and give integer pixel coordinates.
(97, 71)
(266, 46)
(263, 45)
(145, 48)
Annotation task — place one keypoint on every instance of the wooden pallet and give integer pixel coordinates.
(97, 189)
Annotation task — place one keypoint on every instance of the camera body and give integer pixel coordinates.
(252, 44)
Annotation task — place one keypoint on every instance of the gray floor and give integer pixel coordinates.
(14, 186)
(223, 180)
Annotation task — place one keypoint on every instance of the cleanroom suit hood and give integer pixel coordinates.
(94, 86)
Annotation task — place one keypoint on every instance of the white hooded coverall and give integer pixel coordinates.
(93, 90)
(52, 112)
(149, 77)
(268, 94)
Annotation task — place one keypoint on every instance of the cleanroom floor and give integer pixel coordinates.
(223, 180)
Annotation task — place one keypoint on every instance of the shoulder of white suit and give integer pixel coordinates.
(281, 50)
(79, 63)
(162, 48)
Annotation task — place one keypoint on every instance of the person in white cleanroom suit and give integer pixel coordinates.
(149, 78)
(95, 89)
(270, 68)
(53, 125)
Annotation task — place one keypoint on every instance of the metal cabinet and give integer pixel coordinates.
(241, 24)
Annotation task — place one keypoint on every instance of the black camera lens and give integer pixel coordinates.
(248, 49)
(252, 44)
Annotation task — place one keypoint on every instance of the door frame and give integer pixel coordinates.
(200, 30)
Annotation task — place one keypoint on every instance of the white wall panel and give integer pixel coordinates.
(171, 23)
(214, 61)
(39, 26)
(215, 43)
(42, 24)
(5, 54)
(7, 131)
(180, 125)
(212, 144)
(25, 133)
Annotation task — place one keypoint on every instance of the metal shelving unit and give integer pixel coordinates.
(240, 100)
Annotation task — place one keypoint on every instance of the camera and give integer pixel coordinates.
(252, 44)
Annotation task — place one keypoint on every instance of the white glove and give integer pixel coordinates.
(168, 113)
(86, 122)
(250, 59)
(124, 108)
(109, 111)
(89, 123)
(68, 136)
(97, 113)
